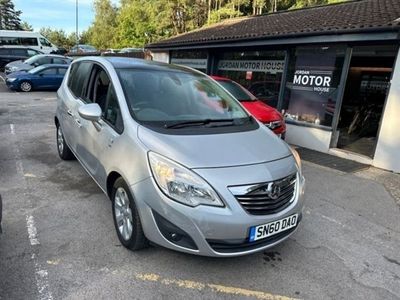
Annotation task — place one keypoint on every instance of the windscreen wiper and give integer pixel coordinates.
(204, 122)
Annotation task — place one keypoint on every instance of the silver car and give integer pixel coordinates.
(184, 164)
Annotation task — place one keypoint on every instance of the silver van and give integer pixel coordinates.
(184, 164)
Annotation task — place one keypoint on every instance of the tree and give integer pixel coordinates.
(58, 37)
(9, 17)
(102, 31)
(26, 26)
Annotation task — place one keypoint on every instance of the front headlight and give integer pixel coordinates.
(181, 184)
(297, 158)
(11, 79)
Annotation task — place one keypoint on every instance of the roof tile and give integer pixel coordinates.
(362, 16)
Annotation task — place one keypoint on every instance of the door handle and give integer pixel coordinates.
(69, 112)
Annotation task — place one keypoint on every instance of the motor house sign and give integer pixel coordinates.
(313, 81)
(267, 66)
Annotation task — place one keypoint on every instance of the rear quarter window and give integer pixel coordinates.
(78, 78)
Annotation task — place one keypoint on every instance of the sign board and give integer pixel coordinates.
(313, 81)
(267, 66)
(195, 63)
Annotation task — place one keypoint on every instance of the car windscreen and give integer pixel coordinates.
(164, 98)
(237, 90)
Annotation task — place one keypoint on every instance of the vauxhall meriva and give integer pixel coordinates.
(184, 164)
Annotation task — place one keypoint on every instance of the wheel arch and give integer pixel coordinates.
(111, 178)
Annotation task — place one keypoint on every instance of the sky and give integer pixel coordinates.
(57, 14)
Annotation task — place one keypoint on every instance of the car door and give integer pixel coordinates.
(46, 79)
(74, 96)
(60, 76)
(100, 139)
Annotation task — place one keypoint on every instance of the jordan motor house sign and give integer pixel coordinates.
(313, 81)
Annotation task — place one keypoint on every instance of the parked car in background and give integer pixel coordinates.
(9, 54)
(45, 77)
(83, 49)
(111, 51)
(60, 51)
(266, 91)
(201, 179)
(266, 114)
(35, 61)
(33, 40)
(130, 50)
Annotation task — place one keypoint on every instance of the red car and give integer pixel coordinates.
(261, 111)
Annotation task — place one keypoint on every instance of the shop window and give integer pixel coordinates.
(193, 59)
(312, 84)
(258, 71)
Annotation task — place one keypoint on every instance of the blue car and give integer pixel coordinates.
(44, 77)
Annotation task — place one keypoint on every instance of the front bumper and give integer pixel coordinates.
(12, 85)
(215, 231)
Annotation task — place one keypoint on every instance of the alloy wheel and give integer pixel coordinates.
(60, 140)
(123, 213)
(26, 86)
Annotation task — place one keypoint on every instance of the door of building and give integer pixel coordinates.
(364, 98)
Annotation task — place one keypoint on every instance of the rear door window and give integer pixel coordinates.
(19, 52)
(78, 79)
(4, 52)
(28, 41)
(44, 60)
(59, 61)
(49, 71)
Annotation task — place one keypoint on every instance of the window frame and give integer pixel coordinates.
(85, 84)
(49, 68)
(90, 87)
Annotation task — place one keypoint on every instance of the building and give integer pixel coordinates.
(331, 69)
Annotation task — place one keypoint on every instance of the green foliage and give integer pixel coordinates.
(135, 23)
(60, 38)
(26, 26)
(9, 17)
(102, 31)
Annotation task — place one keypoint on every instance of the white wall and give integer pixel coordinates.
(387, 155)
(160, 56)
(307, 137)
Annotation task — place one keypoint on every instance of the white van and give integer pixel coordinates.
(29, 39)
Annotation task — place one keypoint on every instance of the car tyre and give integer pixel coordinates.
(64, 151)
(25, 86)
(126, 217)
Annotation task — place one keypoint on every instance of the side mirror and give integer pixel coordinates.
(91, 112)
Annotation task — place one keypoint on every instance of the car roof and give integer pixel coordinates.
(52, 55)
(137, 63)
(17, 47)
(54, 66)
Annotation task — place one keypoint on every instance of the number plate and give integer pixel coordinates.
(266, 230)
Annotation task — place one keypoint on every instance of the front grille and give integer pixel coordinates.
(267, 198)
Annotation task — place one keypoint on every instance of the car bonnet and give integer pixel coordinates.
(216, 150)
